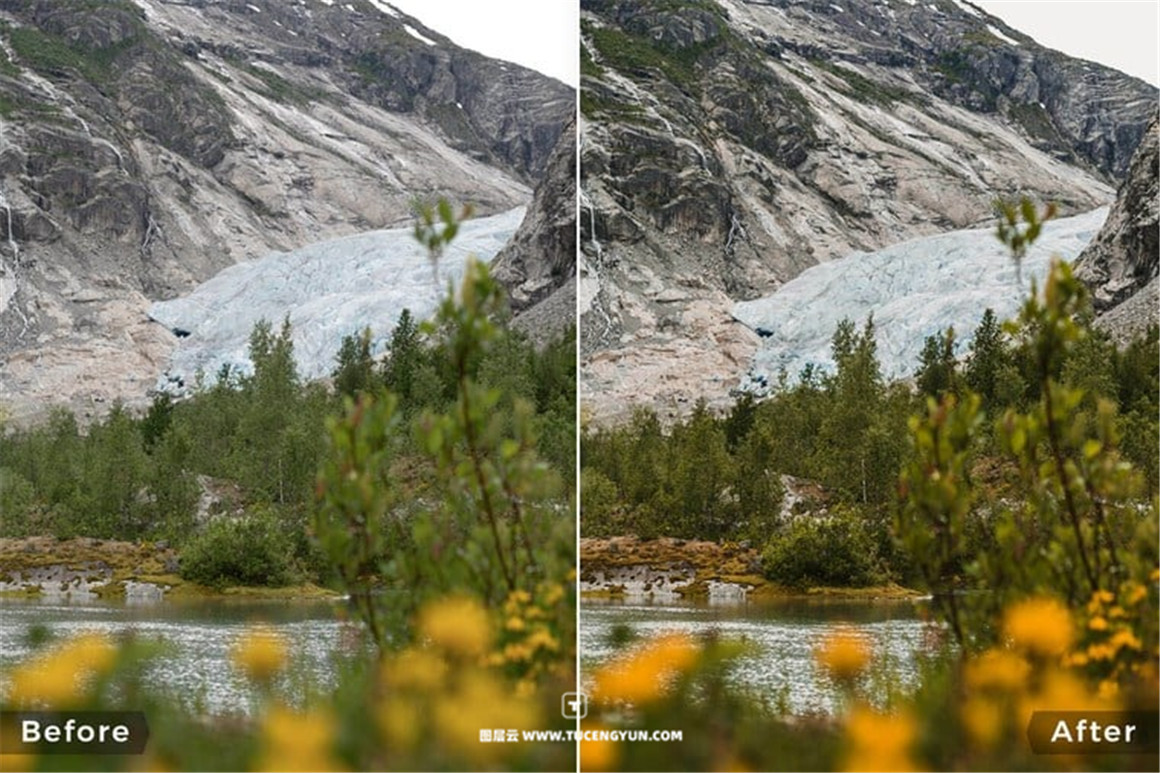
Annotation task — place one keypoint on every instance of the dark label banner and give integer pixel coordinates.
(73, 732)
(1094, 732)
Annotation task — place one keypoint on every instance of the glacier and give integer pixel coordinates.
(329, 289)
(914, 289)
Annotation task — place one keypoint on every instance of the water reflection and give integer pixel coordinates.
(198, 635)
(785, 633)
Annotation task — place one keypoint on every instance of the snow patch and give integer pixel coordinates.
(838, 8)
(253, 8)
(418, 35)
(330, 289)
(389, 10)
(914, 289)
(967, 8)
(999, 34)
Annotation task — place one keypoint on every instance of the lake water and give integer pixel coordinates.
(785, 632)
(200, 633)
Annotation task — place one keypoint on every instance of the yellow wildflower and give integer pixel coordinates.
(480, 701)
(1108, 690)
(515, 624)
(982, 720)
(642, 676)
(1117, 613)
(1124, 638)
(844, 654)
(1100, 652)
(458, 624)
(260, 654)
(525, 689)
(17, 761)
(1078, 659)
(1136, 593)
(596, 753)
(997, 669)
(294, 741)
(399, 721)
(10, 760)
(1039, 625)
(416, 669)
(1060, 691)
(1155, 575)
(554, 593)
(514, 653)
(55, 678)
(541, 637)
(1098, 624)
(880, 741)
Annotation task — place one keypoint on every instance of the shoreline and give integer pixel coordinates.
(90, 569)
(667, 568)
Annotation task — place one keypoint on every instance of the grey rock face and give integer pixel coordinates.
(541, 257)
(1125, 256)
(146, 145)
(726, 147)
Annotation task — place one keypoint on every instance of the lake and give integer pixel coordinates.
(785, 632)
(200, 633)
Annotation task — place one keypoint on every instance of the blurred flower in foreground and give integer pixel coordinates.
(294, 741)
(644, 675)
(597, 754)
(55, 678)
(458, 624)
(1040, 625)
(880, 741)
(997, 670)
(260, 654)
(844, 654)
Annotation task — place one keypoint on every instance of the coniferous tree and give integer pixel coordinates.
(355, 368)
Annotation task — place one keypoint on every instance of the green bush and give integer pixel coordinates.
(837, 550)
(252, 550)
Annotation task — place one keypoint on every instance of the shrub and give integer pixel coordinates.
(252, 550)
(834, 551)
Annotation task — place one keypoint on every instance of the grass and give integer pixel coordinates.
(52, 55)
(863, 89)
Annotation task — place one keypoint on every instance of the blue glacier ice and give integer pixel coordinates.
(329, 289)
(914, 289)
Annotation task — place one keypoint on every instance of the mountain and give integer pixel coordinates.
(145, 146)
(538, 265)
(1122, 263)
(726, 147)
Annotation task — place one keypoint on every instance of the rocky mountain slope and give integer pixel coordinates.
(1122, 264)
(728, 146)
(538, 266)
(146, 145)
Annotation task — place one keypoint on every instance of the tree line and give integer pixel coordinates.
(260, 435)
(718, 477)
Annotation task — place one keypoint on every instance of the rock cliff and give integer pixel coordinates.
(728, 146)
(538, 266)
(1122, 263)
(146, 145)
